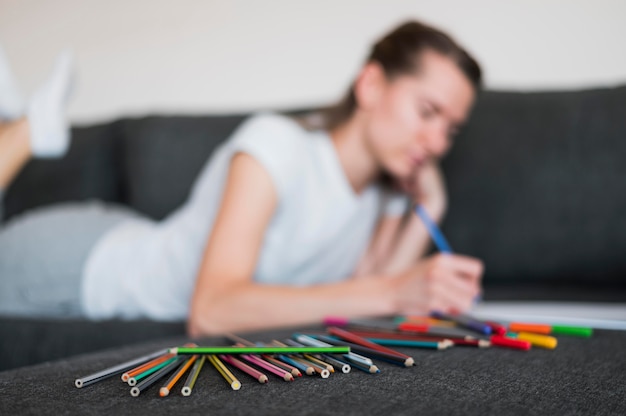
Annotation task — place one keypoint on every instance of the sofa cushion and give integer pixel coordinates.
(537, 186)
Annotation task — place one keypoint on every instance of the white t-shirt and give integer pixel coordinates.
(319, 231)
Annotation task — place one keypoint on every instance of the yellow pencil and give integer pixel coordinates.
(543, 341)
(225, 372)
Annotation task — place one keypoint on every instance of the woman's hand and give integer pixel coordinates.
(443, 282)
(426, 186)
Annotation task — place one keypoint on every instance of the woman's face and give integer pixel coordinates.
(414, 117)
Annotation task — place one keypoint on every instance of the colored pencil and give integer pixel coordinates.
(446, 340)
(252, 372)
(267, 362)
(303, 365)
(370, 323)
(370, 352)
(193, 376)
(308, 370)
(135, 379)
(422, 320)
(142, 368)
(465, 322)
(169, 384)
(370, 369)
(260, 350)
(496, 328)
(321, 369)
(500, 341)
(285, 375)
(350, 337)
(551, 329)
(285, 366)
(116, 369)
(413, 327)
(277, 362)
(400, 335)
(309, 340)
(434, 231)
(480, 343)
(225, 372)
(411, 344)
(345, 367)
(443, 332)
(156, 376)
(536, 340)
(319, 362)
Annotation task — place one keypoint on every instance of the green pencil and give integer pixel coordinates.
(260, 350)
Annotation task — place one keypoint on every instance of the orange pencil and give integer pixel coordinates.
(165, 390)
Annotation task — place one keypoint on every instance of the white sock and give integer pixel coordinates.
(11, 102)
(49, 130)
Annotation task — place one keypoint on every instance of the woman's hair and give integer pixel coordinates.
(399, 53)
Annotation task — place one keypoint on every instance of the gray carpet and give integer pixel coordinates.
(582, 376)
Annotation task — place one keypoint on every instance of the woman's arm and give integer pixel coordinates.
(400, 241)
(225, 297)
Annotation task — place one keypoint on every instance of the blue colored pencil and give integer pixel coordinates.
(434, 231)
(408, 343)
(437, 236)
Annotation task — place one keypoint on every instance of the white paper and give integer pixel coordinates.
(595, 315)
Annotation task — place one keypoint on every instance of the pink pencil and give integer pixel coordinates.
(262, 378)
(269, 367)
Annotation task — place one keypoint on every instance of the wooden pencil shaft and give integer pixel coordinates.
(152, 363)
(446, 332)
(193, 375)
(280, 364)
(260, 350)
(285, 375)
(348, 336)
(407, 337)
(370, 369)
(135, 379)
(117, 369)
(184, 366)
(343, 366)
(252, 372)
(297, 364)
(308, 340)
(320, 363)
(315, 366)
(407, 343)
(225, 372)
(365, 350)
(336, 362)
(156, 376)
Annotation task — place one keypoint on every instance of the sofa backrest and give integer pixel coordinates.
(536, 181)
(537, 185)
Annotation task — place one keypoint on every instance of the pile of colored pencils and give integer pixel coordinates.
(346, 344)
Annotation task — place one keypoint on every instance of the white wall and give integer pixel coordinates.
(195, 56)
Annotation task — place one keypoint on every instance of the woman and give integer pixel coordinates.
(290, 221)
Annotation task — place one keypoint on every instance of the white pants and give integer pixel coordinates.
(43, 252)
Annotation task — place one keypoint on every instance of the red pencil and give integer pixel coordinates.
(350, 337)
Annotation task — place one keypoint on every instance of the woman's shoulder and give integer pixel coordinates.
(272, 121)
(270, 129)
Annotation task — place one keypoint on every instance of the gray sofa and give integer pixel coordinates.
(537, 188)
